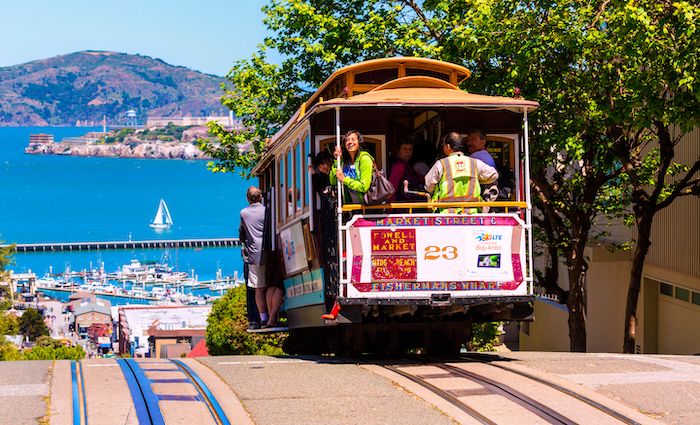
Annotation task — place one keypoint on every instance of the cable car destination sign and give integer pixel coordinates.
(479, 254)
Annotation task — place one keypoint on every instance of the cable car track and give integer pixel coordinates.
(489, 386)
(617, 415)
(144, 398)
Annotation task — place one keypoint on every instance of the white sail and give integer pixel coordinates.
(162, 220)
(166, 216)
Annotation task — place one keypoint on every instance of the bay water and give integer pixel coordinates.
(75, 199)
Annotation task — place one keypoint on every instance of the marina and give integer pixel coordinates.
(128, 244)
(136, 282)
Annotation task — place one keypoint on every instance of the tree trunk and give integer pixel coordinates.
(641, 249)
(575, 302)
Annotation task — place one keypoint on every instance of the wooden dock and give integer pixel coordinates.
(111, 245)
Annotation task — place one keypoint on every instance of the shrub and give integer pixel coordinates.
(227, 329)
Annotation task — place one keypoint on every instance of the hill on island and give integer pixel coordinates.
(81, 87)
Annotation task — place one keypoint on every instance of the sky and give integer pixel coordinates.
(204, 35)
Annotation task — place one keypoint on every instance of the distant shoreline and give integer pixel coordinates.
(145, 150)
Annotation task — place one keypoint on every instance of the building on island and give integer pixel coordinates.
(41, 138)
(226, 121)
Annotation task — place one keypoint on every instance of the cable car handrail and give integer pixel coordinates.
(435, 205)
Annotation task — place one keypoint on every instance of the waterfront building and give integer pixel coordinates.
(91, 311)
(144, 331)
(165, 340)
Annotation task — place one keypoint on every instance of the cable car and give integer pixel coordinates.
(402, 275)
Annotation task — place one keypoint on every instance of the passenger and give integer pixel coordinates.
(251, 237)
(251, 308)
(457, 177)
(274, 295)
(476, 148)
(356, 171)
(321, 169)
(424, 152)
(401, 170)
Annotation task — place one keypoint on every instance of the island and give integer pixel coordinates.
(168, 142)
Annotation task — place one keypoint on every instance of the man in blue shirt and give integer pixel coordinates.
(476, 147)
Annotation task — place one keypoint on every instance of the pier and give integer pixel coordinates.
(110, 245)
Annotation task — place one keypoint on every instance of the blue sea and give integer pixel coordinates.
(72, 199)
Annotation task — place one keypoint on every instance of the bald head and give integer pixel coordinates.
(254, 195)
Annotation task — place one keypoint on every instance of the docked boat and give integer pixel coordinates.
(162, 220)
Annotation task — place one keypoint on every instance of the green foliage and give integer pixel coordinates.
(484, 336)
(168, 133)
(5, 304)
(6, 258)
(227, 325)
(9, 324)
(54, 351)
(32, 325)
(45, 349)
(8, 352)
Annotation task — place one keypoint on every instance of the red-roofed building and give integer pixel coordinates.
(199, 350)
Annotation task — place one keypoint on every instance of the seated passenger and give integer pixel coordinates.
(400, 171)
(356, 168)
(457, 177)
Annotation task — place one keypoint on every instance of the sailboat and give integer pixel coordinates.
(162, 220)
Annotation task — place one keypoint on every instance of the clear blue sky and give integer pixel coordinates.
(205, 35)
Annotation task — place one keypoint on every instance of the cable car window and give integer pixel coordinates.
(378, 76)
(281, 191)
(298, 182)
(307, 151)
(427, 73)
(290, 185)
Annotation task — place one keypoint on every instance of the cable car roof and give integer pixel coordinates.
(428, 91)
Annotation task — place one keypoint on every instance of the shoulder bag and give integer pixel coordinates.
(380, 189)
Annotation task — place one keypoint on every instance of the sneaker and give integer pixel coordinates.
(254, 325)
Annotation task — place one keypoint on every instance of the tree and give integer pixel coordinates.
(664, 106)
(6, 260)
(580, 60)
(8, 352)
(9, 325)
(226, 329)
(32, 325)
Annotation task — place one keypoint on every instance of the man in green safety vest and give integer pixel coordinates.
(458, 177)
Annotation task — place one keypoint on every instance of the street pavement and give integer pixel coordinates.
(23, 387)
(319, 390)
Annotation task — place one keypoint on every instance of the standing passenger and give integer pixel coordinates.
(457, 177)
(356, 168)
(251, 237)
(476, 148)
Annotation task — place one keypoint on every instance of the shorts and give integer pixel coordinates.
(256, 276)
